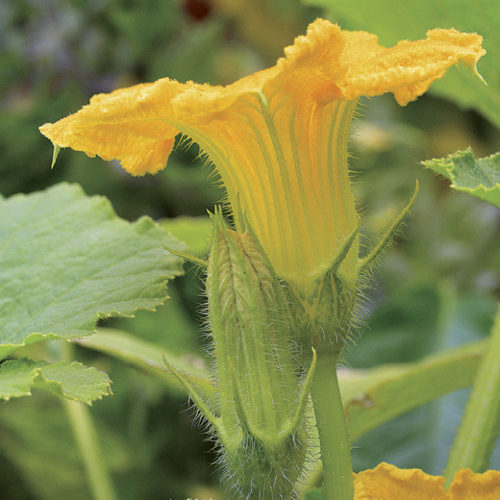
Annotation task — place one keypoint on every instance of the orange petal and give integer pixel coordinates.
(127, 124)
(468, 485)
(387, 482)
(407, 69)
(137, 125)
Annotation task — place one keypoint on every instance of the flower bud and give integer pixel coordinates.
(261, 399)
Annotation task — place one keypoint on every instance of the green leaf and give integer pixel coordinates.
(373, 397)
(70, 380)
(394, 21)
(482, 415)
(150, 358)
(194, 231)
(67, 260)
(37, 438)
(479, 177)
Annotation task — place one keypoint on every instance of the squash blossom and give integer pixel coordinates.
(278, 138)
(388, 482)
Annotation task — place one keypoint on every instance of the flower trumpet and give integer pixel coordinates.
(278, 138)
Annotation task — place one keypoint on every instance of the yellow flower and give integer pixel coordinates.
(387, 482)
(278, 138)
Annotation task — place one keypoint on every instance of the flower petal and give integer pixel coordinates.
(407, 69)
(138, 125)
(389, 482)
(468, 485)
(127, 124)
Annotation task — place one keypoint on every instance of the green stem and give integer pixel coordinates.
(332, 430)
(475, 440)
(86, 438)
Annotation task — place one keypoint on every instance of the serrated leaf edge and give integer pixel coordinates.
(447, 164)
(37, 373)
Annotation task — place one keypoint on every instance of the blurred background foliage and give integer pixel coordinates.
(434, 289)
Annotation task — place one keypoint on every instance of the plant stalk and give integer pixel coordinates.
(86, 438)
(480, 426)
(332, 430)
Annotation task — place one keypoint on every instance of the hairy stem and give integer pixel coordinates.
(332, 430)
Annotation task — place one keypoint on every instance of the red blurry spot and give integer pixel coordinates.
(198, 9)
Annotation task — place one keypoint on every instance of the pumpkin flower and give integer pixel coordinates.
(387, 482)
(278, 138)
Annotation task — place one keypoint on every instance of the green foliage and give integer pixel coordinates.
(399, 330)
(391, 390)
(393, 21)
(194, 231)
(479, 177)
(482, 415)
(172, 325)
(67, 261)
(36, 436)
(70, 380)
(150, 358)
(54, 57)
(135, 439)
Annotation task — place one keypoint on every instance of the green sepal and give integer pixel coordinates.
(369, 259)
(186, 256)
(244, 420)
(324, 315)
(255, 338)
(200, 400)
(303, 399)
(344, 250)
(291, 425)
(323, 312)
(55, 154)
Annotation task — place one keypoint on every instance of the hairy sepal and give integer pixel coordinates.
(324, 312)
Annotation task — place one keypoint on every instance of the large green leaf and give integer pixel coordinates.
(150, 358)
(67, 260)
(373, 397)
(70, 380)
(479, 177)
(394, 21)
